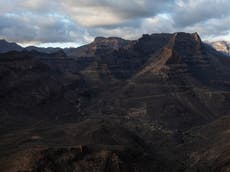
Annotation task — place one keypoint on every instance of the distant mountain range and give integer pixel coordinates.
(221, 46)
(10, 46)
(159, 103)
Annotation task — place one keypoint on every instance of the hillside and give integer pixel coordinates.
(159, 103)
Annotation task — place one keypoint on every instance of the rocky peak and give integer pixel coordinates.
(99, 39)
(196, 36)
(152, 43)
(187, 44)
(111, 42)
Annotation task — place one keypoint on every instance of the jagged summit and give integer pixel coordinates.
(187, 44)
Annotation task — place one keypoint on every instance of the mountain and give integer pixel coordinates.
(48, 50)
(99, 44)
(159, 103)
(221, 46)
(8, 46)
(162, 64)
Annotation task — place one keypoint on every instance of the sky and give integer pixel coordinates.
(71, 23)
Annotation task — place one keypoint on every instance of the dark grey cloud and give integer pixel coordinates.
(97, 13)
(189, 12)
(212, 28)
(42, 21)
(43, 28)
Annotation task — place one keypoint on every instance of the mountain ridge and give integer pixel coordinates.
(221, 46)
(159, 103)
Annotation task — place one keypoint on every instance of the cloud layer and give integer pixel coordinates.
(57, 21)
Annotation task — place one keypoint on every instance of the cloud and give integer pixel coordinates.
(28, 27)
(189, 12)
(94, 13)
(157, 24)
(216, 28)
(57, 21)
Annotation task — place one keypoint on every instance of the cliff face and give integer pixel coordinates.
(177, 76)
(160, 103)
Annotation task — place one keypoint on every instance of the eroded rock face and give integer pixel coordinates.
(154, 104)
(171, 79)
(99, 45)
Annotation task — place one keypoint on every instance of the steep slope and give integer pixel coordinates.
(100, 44)
(180, 85)
(32, 93)
(208, 146)
(174, 79)
(94, 144)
